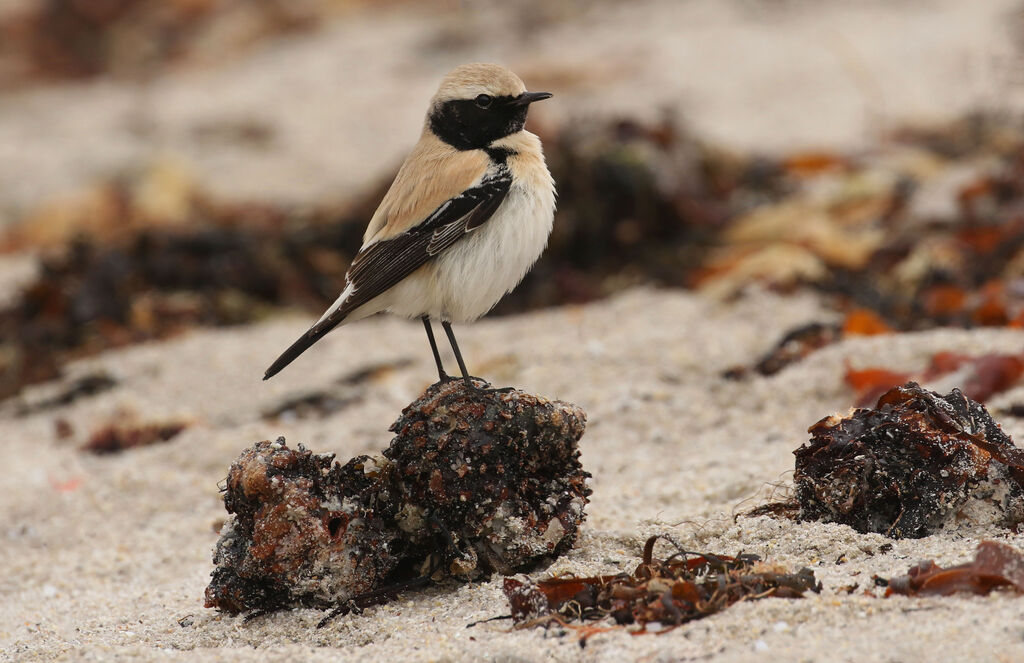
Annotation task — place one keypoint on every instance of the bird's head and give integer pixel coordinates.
(478, 104)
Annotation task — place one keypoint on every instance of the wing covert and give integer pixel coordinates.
(384, 263)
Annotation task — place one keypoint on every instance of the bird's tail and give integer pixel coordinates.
(315, 333)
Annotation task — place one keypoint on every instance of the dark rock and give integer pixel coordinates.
(473, 483)
(911, 466)
(498, 473)
(299, 535)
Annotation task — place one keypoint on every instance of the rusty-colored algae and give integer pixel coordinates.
(657, 596)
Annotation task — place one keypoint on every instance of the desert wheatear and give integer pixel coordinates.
(464, 221)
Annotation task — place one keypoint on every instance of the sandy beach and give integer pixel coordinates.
(106, 558)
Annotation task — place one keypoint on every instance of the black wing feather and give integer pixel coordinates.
(383, 264)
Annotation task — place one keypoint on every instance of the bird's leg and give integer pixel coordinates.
(433, 348)
(462, 365)
(458, 354)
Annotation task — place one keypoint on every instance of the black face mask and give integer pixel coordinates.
(473, 124)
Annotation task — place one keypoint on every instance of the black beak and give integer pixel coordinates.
(527, 98)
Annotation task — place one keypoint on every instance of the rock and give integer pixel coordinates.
(498, 473)
(474, 482)
(300, 534)
(911, 466)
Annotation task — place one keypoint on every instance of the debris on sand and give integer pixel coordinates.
(86, 386)
(151, 253)
(500, 473)
(793, 347)
(637, 203)
(474, 482)
(995, 565)
(982, 376)
(914, 464)
(115, 437)
(658, 596)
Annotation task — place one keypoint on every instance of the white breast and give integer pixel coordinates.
(478, 271)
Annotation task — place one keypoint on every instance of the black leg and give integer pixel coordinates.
(458, 355)
(433, 348)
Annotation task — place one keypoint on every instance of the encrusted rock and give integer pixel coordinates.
(474, 482)
(914, 464)
(301, 532)
(497, 473)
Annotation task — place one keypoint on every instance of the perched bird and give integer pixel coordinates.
(466, 218)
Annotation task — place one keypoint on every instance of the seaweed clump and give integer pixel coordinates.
(474, 482)
(912, 465)
(657, 596)
(995, 565)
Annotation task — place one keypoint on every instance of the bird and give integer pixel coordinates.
(467, 216)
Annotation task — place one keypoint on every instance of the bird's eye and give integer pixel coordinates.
(484, 100)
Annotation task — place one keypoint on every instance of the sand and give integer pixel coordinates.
(106, 558)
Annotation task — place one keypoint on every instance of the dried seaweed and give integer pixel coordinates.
(788, 508)
(992, 374)
(132, 276)
(984, 375)
(871, 383)
(995, 565)
(864, 322)
(910, 466)
(85, 386)
(638, 203)
(92, 297)
(117, 437)
(872, 249)
(659, 595)
(794, 346)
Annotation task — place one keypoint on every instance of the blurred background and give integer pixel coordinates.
(173, 163)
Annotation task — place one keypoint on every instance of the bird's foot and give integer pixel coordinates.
(493, 390)
(471, 385)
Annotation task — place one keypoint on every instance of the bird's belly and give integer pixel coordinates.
(468, 279)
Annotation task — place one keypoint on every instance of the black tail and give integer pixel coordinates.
(315, 333)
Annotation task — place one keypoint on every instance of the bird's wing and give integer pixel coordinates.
(433, 173)
(383, 263)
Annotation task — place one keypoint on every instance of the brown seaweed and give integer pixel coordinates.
(794, 346)
(117, 437)
(658, 595)
(910, 465)
(995, 565)
(984, 375)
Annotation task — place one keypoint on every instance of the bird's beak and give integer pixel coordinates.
(527, 98)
